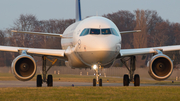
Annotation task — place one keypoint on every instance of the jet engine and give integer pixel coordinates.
(160, 67)
(24, 67)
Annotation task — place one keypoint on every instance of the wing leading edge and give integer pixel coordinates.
(134, 31)
(41, 33)
(142, 51)
(35, 51)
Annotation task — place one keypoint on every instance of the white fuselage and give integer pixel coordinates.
(86, 50)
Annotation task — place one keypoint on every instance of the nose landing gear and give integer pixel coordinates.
(97, 80)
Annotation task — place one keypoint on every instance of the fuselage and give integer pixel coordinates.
(92, 40)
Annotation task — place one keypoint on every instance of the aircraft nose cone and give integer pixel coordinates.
(98, 49)
(93, 57)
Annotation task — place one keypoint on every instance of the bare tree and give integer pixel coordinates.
(124, 20)
(2, 54)
(152, 18)
(53, 26)
(24, 23)
(140, 39)
(2, 37)
(160, 36)
(176, 32)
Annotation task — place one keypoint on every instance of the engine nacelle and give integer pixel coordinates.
(24, 67)
(160, 67)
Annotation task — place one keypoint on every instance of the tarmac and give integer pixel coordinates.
(64, 84)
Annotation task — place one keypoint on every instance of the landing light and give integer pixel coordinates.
(94, 66)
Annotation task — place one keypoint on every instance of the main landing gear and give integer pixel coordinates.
(126, 78)
(97, 80)
(49, 79)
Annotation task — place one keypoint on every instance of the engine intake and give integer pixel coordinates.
(160, 67)
(24, 67)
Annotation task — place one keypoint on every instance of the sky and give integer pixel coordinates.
(10, 10)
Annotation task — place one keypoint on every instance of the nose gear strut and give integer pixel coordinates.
(97, 80)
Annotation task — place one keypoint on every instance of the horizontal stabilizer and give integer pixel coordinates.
(134, 31)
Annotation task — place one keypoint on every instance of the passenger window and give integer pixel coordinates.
(84, 32)
(95, 31)
(114, 32)
(106, 31)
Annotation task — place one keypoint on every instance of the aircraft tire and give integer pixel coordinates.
(39, 81)
(94, 82)
(50, 81)
(100, 82)
(136, 80)
(126, 80)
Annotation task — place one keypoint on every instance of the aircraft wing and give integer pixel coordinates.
(142, 51)
(134, 31)
(35, 51)
(41, 33)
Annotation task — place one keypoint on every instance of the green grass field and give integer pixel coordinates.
(157, 93)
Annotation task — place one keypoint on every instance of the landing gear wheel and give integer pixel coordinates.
(39, 81)
(100, 82)
(94, 82)
(126, 80)
(136, 80)
(50, 81)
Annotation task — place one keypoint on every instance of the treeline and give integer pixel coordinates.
(30, 23)
(155, 32)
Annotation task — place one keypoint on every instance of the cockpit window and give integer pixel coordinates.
(105, 31)
(95, 31)
(114, 32)
(84, 32)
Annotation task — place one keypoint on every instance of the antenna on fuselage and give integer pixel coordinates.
(78, 10)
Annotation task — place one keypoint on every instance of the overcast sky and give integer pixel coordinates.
(10, 10)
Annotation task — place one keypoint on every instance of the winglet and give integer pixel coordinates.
(78, 10)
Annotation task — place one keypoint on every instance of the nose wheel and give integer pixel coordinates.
(94, 82)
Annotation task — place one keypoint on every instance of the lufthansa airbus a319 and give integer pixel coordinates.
(94, 42)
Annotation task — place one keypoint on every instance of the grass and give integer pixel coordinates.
(85, 78)
(157, 93)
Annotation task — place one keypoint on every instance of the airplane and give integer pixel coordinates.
(93, 42)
